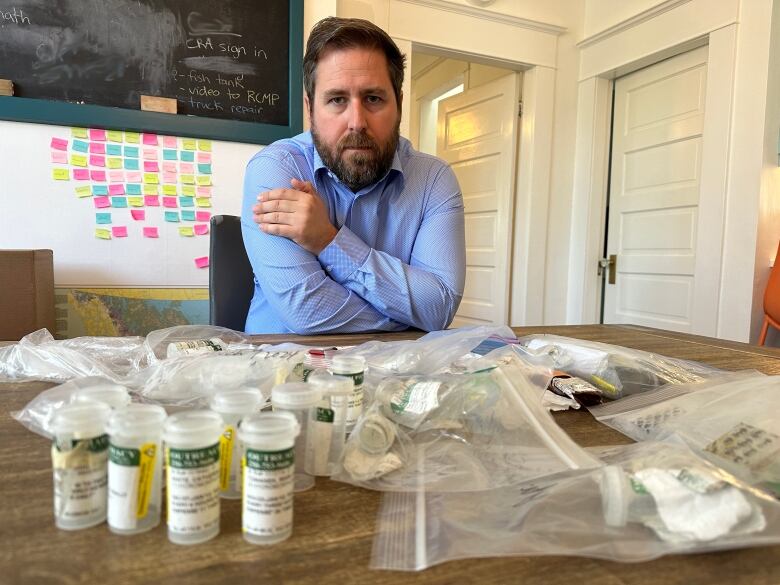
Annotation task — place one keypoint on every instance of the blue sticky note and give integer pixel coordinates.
(204, 169)
(80, 146)
(187, 215)
(188, 155)
(186, 202)
(100, 189)
(102, 218)
(119, 202)
(133, 189)
(169, 154)
(131, 164)
(131, 151)
(113, 150)
(172, 216)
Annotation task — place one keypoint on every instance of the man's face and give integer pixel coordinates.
(355, 118)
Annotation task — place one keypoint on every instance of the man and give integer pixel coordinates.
(348, 228)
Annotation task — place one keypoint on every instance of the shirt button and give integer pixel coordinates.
(329, 268)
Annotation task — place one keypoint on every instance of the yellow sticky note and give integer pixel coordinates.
(169, 189)
(136, 201)
(79, 133)
(114, 163)
(203, 202)
(115, 135)
(186, 231)
(188, 190)
(204, 145)
(78, 160)
(133, 137)
(188, 179)
(203, 180)
(102, 233)
(151, 178)
(151, 190)
(188, 143)
(84, 191)
(60, 174)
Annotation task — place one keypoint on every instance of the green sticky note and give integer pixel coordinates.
(133, 189)
(119, 202)
(78, 132)
(187, 232)
(188, 190)
(84, 191)
(60, 174)
(102, 218)
(100, 189)
(114, 150)
(103, 233)
(187, 215)
(187, 156)
(169, 154)
(131, 164)
(172, 216)
(131, 151)
(204, 169)
(132, 137)
(80, 146)
(115, 135)
(186, 202)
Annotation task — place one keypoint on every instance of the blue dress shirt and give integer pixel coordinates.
(398, 259)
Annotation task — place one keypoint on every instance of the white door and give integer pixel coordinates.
(477, 136)
(658, 121)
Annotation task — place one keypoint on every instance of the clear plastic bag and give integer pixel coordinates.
(648, 500)
(38, 356)
(458, 432)
(616, 371)
(157, 342)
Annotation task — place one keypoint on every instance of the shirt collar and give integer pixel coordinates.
(396, 168)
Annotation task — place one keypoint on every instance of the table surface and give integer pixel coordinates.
(334, 522)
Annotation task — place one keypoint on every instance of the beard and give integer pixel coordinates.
(361, 168)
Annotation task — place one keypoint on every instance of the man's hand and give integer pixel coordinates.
(298, 214)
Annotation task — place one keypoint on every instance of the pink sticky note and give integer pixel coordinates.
(204, 157)
(58, 156)
(134, 176)
(202, 262)
(99, 176)
(81, 174)
(138, 214)
(96, 160)
(169, 167)
(150, 154)
(101, 202)
(201, 229)
(116, 176)
(170, 202)
(150, 139)
(150, 232)
(169, 178)
(118, 189)
(187, 168)
(59, 144)
(203, 191)
(202, 215)
(169, 142)
(152, 200)
(151, 166)
(119, 231)
(97, 148)
(97, 134)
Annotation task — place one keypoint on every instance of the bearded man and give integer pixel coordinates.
(347, 227)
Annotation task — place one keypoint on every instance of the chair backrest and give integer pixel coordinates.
(772, 291)
(231, 279)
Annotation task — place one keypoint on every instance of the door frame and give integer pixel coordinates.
(591, 170)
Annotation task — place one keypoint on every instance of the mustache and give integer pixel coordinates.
(357, 140)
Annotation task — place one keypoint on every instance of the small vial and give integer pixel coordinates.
(79, 457)
(232, 406)
(351, 367)
(268, 463)
(135, 468)
(195, 346)
(114, 395)
(192, 457)
(327, 433)
(301, 400)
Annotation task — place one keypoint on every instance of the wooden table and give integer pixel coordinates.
(334, 522)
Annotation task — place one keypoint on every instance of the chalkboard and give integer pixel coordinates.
(234, 66)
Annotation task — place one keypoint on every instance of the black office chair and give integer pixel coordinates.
(231, 279)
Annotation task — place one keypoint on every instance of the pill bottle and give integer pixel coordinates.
(79, 457)
(351, 367)
(300, 399)
(114, 395)
(268, 461)
(195, 346)
(232, 406)
(328, 428)
(192, 482)
(135, 468)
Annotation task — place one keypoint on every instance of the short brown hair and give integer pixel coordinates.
(350, 33)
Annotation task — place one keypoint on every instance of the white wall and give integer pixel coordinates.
(603, 14)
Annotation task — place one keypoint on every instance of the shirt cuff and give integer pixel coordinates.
(344, 255)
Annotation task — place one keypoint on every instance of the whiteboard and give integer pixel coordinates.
(37, 211)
